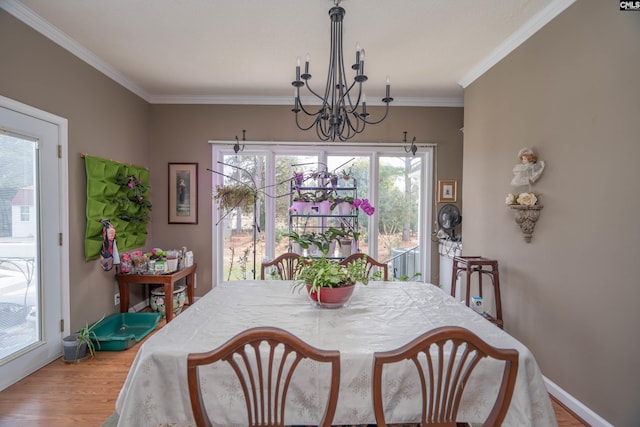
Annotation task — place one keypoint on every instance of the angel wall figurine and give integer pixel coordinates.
(528, 169)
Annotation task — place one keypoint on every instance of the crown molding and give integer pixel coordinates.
(35, 21)
(286, 100)
(538, 21)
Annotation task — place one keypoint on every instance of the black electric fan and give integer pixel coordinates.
(448, 218)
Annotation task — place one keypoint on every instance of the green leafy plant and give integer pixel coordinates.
(321, 240)
(304, 197)
(347, 232)
(85, 335)
(138, 218)
(136, 191)
(134, 205)
(322, 195)
(229, 197)
(323, 273)
(336, 200)
(346, 174)
(303, 239)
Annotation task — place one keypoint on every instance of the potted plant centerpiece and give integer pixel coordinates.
(329, 283)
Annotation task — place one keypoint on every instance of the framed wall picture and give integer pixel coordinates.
(183, 193)
(447, 191)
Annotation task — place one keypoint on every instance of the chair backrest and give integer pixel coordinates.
(287, 265)
(264, 382)
(444, 358)
(370, 264)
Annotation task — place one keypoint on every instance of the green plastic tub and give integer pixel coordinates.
(121, 331)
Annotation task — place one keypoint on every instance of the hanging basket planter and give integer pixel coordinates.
(230, 197)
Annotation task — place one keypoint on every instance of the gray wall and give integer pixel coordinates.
(571, 93)
(104, 120)
(180, 133)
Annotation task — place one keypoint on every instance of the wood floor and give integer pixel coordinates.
(84, 394)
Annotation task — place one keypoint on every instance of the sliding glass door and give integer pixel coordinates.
(397, 185)
(31, 242)
(240, 198)
(400, 197)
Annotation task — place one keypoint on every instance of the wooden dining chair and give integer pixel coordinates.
(264, 383)
(371, 264)
(286, 264)
(444, 358)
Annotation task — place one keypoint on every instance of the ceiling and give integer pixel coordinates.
(244, 51)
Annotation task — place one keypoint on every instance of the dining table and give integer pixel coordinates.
(380, 316)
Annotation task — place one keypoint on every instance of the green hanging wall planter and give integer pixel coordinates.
(118, 192)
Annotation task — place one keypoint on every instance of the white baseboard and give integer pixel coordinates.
(575, 405)
(139, 306)
(145, 303)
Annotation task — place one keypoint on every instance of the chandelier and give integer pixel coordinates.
(343, 106)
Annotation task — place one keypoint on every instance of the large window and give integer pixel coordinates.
(397, 186)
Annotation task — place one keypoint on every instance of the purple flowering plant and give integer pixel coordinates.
(364, 205)
(298, 177)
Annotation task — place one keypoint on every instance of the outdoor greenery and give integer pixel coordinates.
(396, 211)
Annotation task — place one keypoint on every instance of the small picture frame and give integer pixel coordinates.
(183, 193)
(447, 191)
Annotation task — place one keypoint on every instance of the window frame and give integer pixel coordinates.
(25, 213)
(270, 149)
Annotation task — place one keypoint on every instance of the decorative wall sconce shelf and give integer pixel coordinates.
(526, 218)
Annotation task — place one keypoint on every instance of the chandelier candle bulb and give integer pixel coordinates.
(298, 68)
(306, 65)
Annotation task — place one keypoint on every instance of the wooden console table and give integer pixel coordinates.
(168, 280)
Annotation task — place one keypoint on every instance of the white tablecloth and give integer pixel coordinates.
(380, 316)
